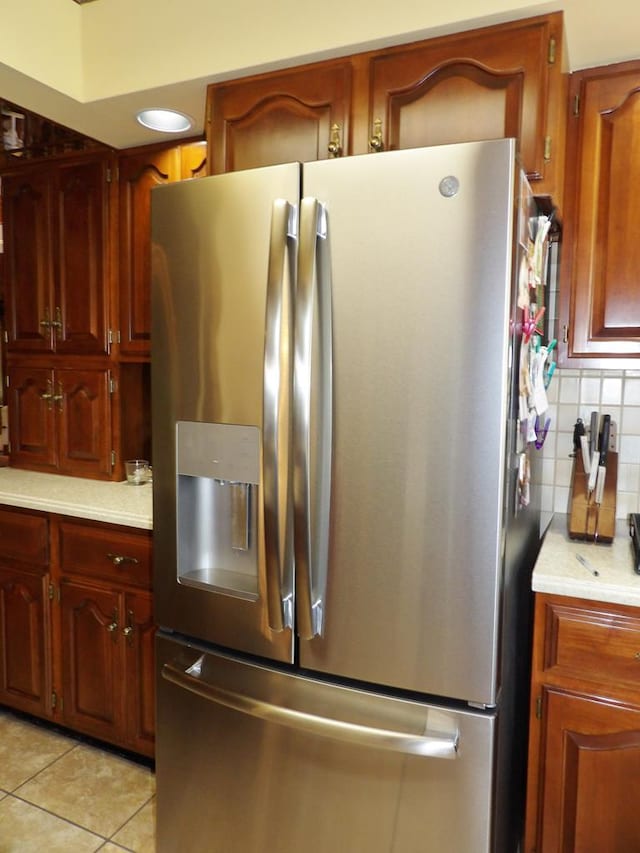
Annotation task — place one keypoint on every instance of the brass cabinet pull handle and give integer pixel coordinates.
(119, 559)
(57, 323)
(128, 631)
(375, 141)
(46, 321)
(335, 143)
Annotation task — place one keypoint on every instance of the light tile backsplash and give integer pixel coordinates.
(575, 394)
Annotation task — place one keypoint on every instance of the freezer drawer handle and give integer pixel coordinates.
(427, 745)
(277, 382)
(312, 418)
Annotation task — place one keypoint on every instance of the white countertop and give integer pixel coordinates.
(115, 503)
(558, 571)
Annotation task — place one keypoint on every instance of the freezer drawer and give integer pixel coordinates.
(251, 759)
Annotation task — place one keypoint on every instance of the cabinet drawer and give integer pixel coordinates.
(24, 537)
(102, 552)
(600, 644)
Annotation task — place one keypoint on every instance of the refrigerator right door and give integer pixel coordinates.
(420, 245)
(258, 760)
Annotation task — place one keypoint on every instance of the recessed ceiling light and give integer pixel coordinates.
(168, 121)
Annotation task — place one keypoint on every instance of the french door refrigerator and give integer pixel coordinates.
(341, 569)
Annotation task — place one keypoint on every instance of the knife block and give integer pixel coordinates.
(586, 521)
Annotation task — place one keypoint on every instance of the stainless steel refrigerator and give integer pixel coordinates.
(341, 565)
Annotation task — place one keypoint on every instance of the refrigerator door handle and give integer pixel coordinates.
(312, 418)
(427, 745)
(277, 381)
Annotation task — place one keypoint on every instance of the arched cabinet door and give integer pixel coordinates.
(484, 84)
(600, 306)
(300, 114)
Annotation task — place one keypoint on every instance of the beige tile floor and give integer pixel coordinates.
(62, 795)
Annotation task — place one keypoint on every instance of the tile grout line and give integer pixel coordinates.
(59, 817)
(130, 818)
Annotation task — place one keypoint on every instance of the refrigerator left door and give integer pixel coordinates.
(250, 759)
(223, 276)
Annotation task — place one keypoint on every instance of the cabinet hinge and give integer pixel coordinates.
(576, 105)
(54, 700)
(547, 149)
(112, 385)
(113, 459)
(551, 55)
(6, 337)
(110, 175)
(565, 334)
(539, 708)
(52, 592)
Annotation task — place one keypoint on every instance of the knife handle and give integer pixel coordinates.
(602, 473)
(604, 438)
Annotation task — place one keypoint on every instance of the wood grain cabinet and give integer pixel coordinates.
(501, 81)
(139, 171)
(600, 285)
(56, 227)
(25, 649)
(76, 625)
(507, 80)
(297, 114)
(584, 747)
(107, 634)
(60, 419)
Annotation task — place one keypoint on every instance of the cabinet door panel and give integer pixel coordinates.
(26, 215)
(484, 84)
(80, 268)
(140, 671)
(139, 173)
(600, 275)
(591, 779)
(32, 418)
(84, 416)
(24, 665)
(24, 537)
(280, 118)
(91, 659)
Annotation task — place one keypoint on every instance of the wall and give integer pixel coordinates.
(575, 394)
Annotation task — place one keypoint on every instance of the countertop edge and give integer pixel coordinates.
(558, 571)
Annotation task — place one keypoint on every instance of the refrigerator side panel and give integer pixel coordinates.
(421, 250)
(251, 776)
(211, 256)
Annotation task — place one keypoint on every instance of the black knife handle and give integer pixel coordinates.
(604, 438)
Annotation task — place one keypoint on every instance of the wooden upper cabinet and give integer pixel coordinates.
(600, 286)
(80, 245)
(60, 420)
(496, 82)
(506, 80)
(56, 239)
(298, 114)
(26, 208)
(139, 172)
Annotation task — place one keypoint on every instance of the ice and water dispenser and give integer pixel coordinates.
(218, 470)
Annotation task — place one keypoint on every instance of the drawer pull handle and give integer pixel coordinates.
(128, 630)
(637, 656)
(119, 559)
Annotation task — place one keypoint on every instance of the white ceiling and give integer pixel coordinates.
(92, 66)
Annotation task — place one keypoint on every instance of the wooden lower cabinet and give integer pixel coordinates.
(25, 651)
(107, 670)
(77, 633)
(584, 748)
(24, 659)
